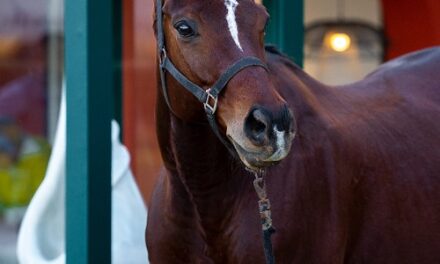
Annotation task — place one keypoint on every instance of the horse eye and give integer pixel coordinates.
(184, 29)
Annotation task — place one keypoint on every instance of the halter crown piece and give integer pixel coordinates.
(209, 97)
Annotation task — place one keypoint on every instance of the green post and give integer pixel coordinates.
(90, 91)
(286, 27)
(117, 62)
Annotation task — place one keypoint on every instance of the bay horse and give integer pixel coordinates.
(353, 172)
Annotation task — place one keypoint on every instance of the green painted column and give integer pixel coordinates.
(117, 64)
(90, 91)
(286, 27)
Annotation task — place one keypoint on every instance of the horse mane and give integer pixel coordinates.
(274, 51)
(270, 48)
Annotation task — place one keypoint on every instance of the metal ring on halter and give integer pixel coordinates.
(162, 55)
(210, 108)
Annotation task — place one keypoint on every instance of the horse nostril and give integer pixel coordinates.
(256, 126)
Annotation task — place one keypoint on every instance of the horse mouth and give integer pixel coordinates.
(258, 160)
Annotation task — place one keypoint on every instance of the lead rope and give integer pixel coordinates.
(266, 218)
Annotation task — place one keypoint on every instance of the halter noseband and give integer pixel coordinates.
(208, 98)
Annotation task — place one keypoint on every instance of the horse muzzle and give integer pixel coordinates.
(268, 137)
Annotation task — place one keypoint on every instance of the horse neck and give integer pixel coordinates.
(313, 101)
(197, 160)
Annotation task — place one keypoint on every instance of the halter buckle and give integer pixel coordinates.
(210, 103)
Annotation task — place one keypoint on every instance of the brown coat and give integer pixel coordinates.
(361, 184)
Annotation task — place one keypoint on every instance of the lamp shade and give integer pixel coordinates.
(339, 52)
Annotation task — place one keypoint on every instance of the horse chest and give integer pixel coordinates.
(217, 235)
(238, 240)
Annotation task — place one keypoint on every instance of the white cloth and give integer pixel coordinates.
(42, 235)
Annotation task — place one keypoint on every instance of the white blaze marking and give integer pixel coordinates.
(231, 5)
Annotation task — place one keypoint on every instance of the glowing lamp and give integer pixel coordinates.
(339, 42)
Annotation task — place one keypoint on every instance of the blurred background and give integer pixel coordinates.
(344, 41)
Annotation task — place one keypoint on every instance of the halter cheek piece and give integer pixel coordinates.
(208, 98)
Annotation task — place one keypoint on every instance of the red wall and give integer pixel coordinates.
(139, 92)
(411, 25)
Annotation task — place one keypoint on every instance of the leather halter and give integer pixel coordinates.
(209, 97)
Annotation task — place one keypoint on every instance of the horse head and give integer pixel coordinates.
(203, 39)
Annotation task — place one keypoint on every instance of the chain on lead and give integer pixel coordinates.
(264, 202)
(260, 185)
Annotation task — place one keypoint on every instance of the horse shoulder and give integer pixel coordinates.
(377, 141)
(396, 179)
